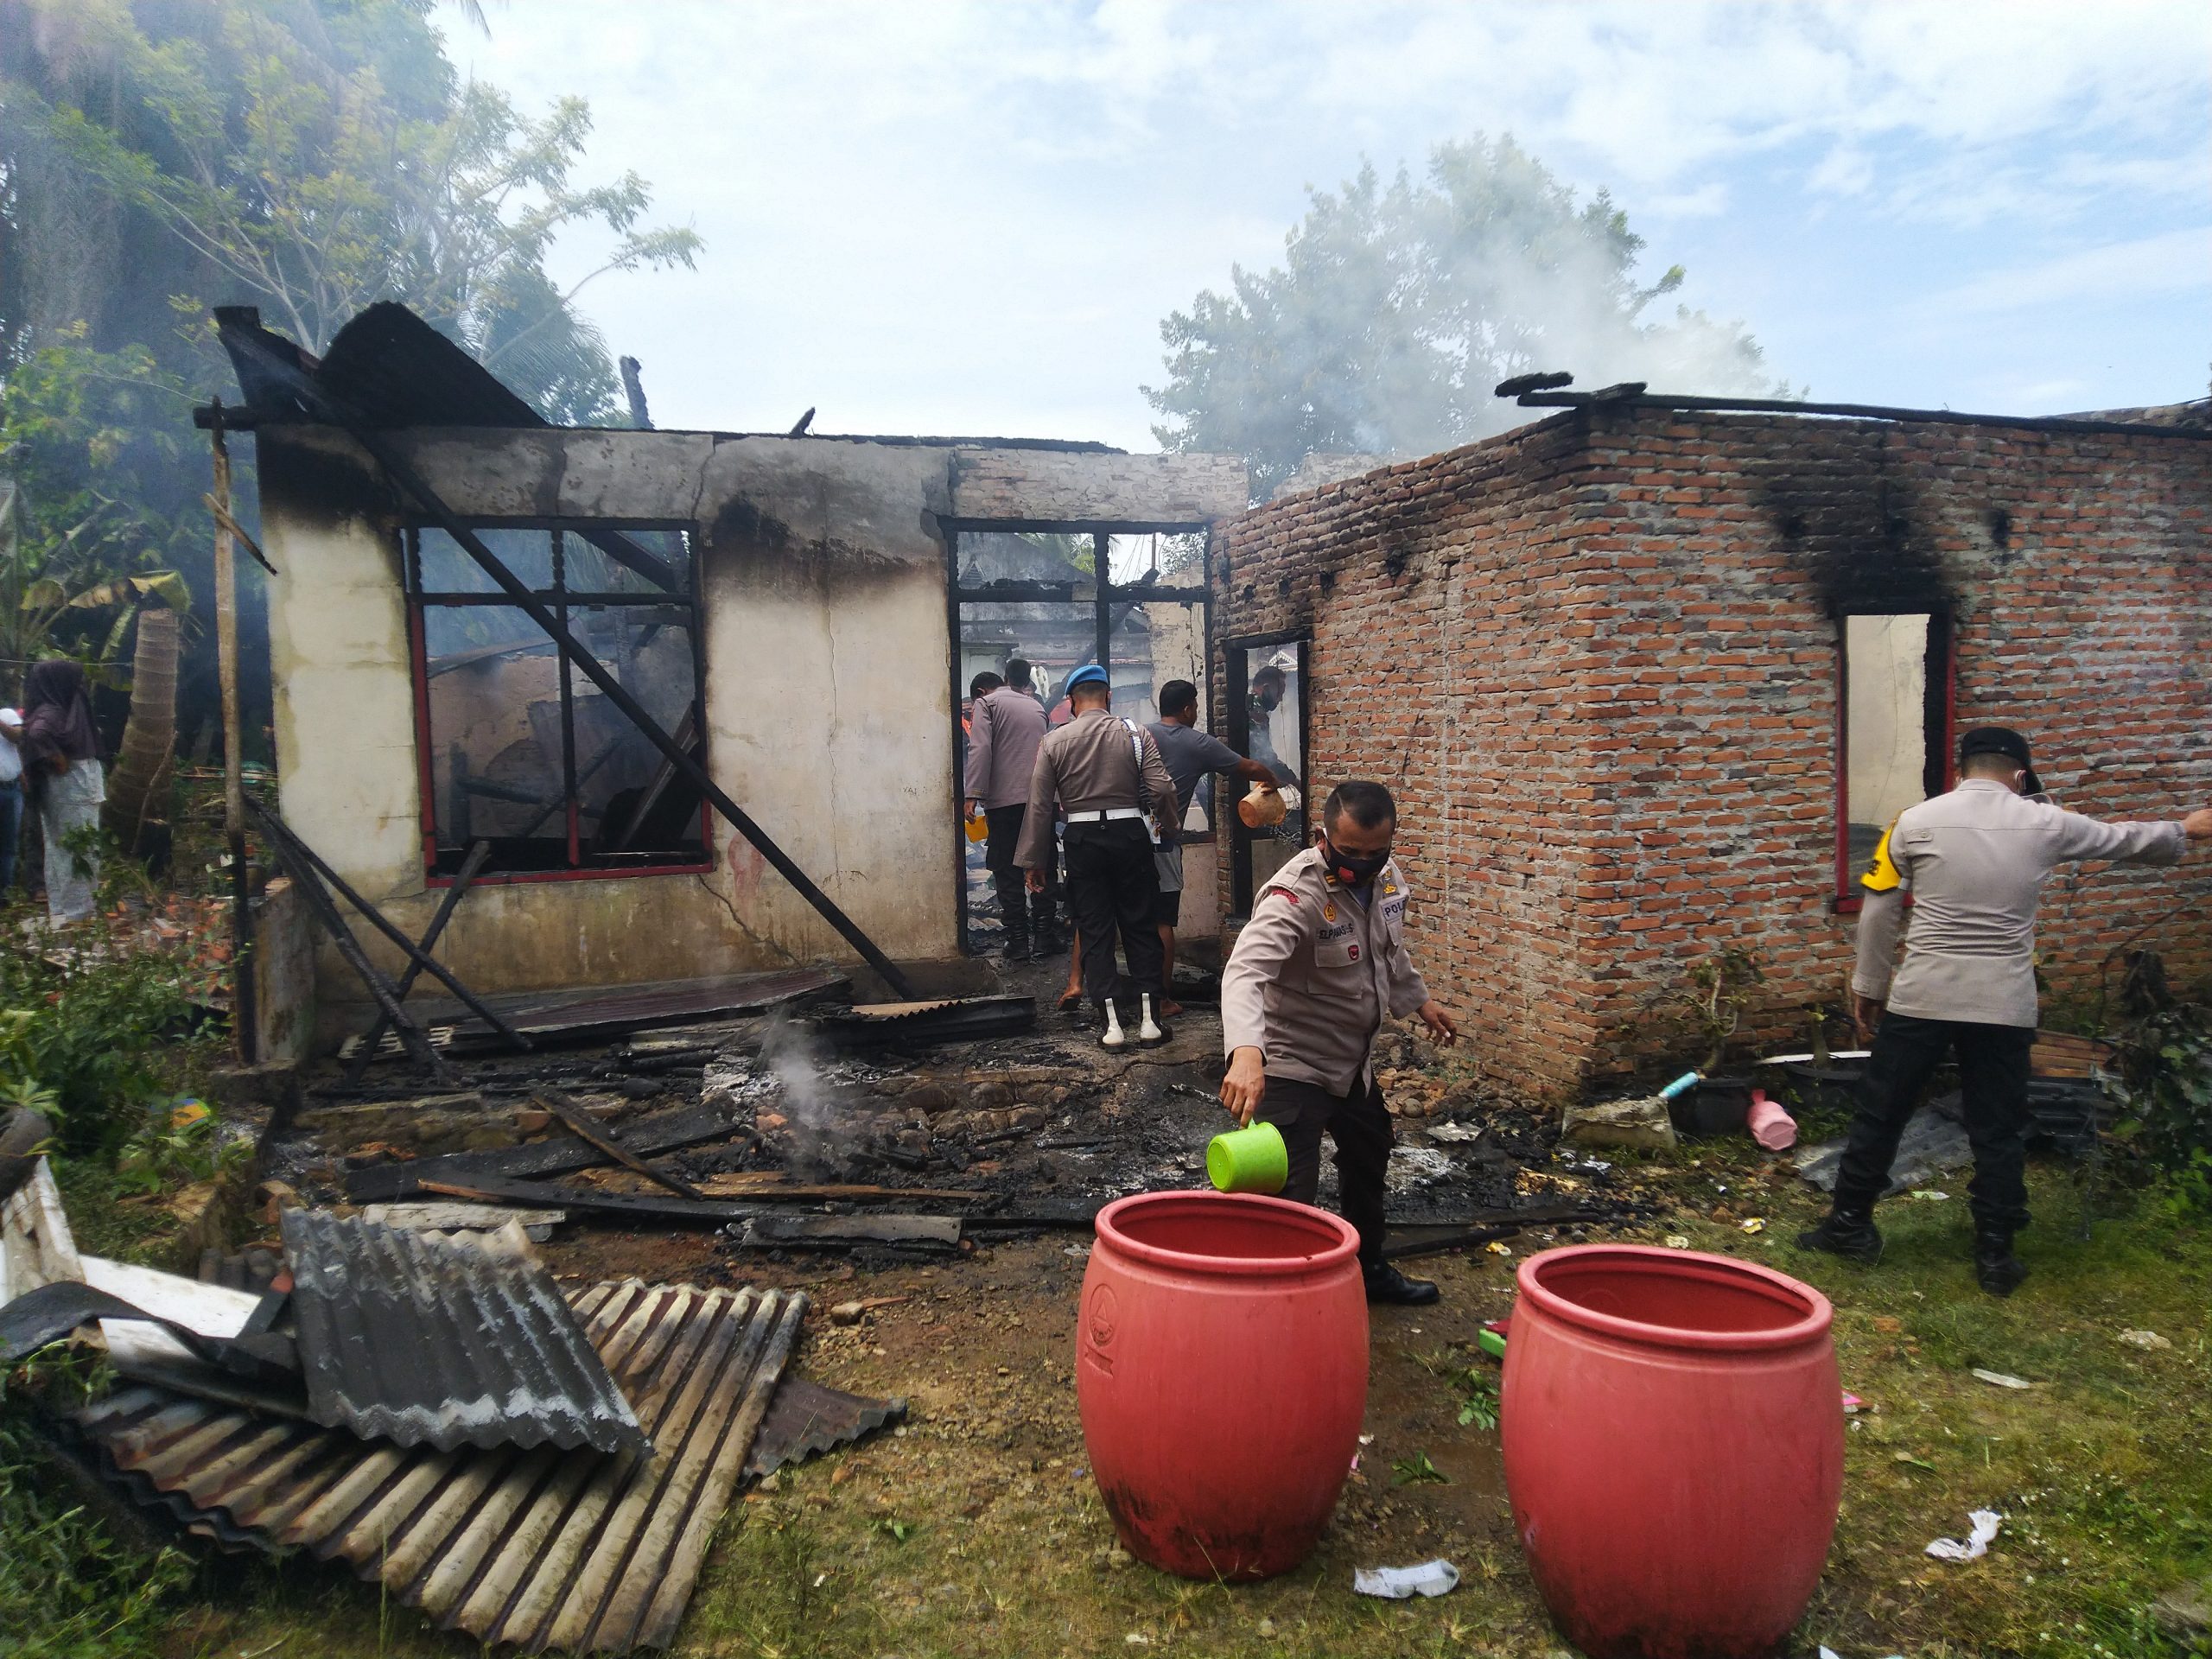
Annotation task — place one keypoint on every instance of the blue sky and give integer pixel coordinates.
(934, 216)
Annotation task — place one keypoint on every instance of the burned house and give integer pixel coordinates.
(1650, 675)
(790, 612)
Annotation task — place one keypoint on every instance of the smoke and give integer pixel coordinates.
(1400, 306)
(817, 1145)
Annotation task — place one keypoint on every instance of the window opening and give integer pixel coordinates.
(1894, 712)
(519, 749)
(1268, 713)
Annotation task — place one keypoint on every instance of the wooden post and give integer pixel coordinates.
(226, 658)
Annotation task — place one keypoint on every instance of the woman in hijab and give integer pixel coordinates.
(61, 765)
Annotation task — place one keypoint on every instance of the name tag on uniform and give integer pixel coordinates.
(1393, 909)
(1341, 931)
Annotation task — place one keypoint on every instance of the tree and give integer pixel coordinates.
(265, 138)
(87, 439)
(1399, 307)
(305, 155)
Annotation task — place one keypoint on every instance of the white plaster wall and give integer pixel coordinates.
(830, 724)
(345, 703)
(1885, 723)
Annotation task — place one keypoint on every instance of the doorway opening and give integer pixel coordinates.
(1058, 597)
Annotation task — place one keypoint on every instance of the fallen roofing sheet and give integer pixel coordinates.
(603, 1013)
(422, 1339)
(941, 1019)
(536, 1548)
(808, 1419)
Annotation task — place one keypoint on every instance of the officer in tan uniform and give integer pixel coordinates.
(1975, 861)
(1312, 976)
(1106, 777)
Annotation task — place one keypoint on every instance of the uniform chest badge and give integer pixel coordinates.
(1355, 951)
(1328, 912)
(1389, 888)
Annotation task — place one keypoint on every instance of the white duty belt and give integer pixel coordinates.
(1106, 815)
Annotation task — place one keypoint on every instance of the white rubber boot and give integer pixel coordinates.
(1113, 1039)
(1149, 1031)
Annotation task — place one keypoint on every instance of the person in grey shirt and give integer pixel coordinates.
(1190, 755)
(1005, 725)
(1975, 861)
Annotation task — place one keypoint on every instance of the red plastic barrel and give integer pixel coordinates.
(1221, 1371)
(1673, 1431)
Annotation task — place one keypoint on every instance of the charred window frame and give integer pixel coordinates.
(516, 748)
(1894, 712)
(1257, 855)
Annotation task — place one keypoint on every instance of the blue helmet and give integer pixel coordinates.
(1089, 674)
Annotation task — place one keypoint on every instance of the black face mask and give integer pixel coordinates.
(1354, 869)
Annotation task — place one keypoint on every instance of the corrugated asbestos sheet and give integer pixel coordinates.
(430, 1341)
(536, 1549)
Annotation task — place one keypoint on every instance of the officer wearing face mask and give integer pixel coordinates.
(1314, 973)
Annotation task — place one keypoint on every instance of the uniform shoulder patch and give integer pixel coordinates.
(1882, 873)
(1280, 893)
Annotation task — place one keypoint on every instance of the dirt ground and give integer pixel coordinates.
(975, 1529)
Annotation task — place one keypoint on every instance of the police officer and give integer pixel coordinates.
(1308, 983)
(1006, 726)
(1975, 861)
(1108, 777)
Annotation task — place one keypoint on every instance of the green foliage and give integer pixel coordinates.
(176, 1147)
(317, 157)
(1416, 1469)
(1476, 1385)
(1479, 1405)
(68, 1589)
(2165, 1087)
(93, 516)
(1713, 996)
(95, 1028)
(1399, 307)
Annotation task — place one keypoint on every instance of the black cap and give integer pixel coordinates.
(2002, 739)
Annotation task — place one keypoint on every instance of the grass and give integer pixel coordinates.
(978, 1532)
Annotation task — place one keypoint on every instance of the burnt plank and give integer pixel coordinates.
(639, 1207)
(646, 1136)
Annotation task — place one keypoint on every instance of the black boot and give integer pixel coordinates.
(1014, 911)
(1847, 1232)
(1387, 1286)
(1996, 1269)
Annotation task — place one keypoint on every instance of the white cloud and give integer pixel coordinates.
(2177, 262)
(970, 215)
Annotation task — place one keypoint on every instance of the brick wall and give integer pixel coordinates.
(1596, 658)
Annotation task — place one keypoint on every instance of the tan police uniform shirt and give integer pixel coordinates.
(1005, 728)
(1314, 972)
(1975, 861)
(1090, 764)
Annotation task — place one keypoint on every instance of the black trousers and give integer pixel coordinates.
(1112, 888)
(1360, 1125)
(1003, 825)
(1993, 1088)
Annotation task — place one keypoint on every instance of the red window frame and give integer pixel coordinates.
(1940, 771)
(418, 671)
